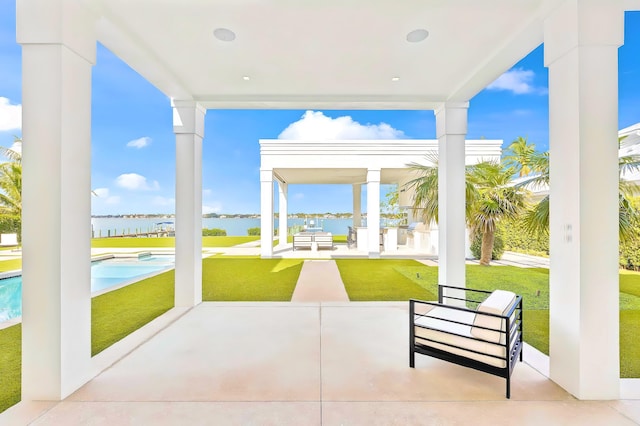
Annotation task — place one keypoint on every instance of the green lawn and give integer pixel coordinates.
(167, 242)
(381, 279)
(10, 265)
(118, 313)
(114, 315)
(10, 364)
(249, 278)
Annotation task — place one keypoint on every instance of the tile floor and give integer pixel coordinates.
(307, 364)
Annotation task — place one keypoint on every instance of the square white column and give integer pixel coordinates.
(283, 190)
(451, 129)
(266, 213)
(188, 125)
(583, 123)
(357, 204)
(57, 57)
(373, 212)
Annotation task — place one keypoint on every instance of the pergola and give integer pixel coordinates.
(350, 162)
(326, 55)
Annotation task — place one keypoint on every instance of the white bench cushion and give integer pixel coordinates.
(461, 339)
(499, 302)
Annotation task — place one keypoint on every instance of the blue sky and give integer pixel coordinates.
(133, 145)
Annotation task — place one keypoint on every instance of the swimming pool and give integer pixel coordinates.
(104, 274)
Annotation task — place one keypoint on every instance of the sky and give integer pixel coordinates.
(133, 145)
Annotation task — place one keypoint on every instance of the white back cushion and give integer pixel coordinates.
(499, 302)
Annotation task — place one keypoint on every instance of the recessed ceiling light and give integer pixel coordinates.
(417, 36)
(395, 78)
(224, 34)
(246, 78)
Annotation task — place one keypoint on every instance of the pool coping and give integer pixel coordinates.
(130, 255)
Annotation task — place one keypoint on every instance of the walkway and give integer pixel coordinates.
(319, 281)
(307, 364)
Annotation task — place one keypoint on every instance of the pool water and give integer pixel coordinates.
(104, 274)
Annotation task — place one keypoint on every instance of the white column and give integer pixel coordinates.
(283, 190)
(188, 125)
(581, 44)
(373, 212)
(451, 129)
(357, 204)
(58, 51)
(266, 213)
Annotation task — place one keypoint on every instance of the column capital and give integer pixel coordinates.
(266, 175)
(373, 175)
(57, 22)
(451, 118)
(188, 117)
(583, 23)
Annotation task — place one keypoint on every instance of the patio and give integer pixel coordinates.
(306, 363)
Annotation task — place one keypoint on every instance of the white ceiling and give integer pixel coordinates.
(324, 53)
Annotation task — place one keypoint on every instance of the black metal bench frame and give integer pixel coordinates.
(513, 337)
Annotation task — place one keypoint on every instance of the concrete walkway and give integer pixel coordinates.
(319, 281)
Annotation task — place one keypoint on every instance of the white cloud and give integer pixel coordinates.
(206, 193)
(164, 201)
(139, 143)
(519, 81)
(136, 182)
(10, 115)
(298, 196)
(316, 125)
(215, 208)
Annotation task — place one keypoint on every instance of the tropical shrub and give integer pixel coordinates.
(253, 231)
(517, 238)
(214, 232)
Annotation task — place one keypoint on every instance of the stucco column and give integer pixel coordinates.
(581, 44)
(451, 130)
(373, 212)
(188, 125)
(357, 204)
(266, 213)
(58, 51)
(283, 190)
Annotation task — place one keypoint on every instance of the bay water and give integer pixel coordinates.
(103, 226)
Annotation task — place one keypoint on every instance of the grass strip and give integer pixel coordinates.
(380, 280)
(249, 278)
(10, 366)
(10, 265)
(118, 313)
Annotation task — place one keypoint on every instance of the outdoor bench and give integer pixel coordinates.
(323, 239)
(302, 240)
(487, 339)
(308, 239)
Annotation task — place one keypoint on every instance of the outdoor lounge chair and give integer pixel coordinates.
(302, 240)
(323, 240)
(8, 240)
(487, 339)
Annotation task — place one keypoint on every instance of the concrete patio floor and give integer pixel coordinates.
(328, 363)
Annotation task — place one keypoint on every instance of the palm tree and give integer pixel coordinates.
(11, 188)
(537, 218)
(495, 201)
(489, 198)
(519, 155)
